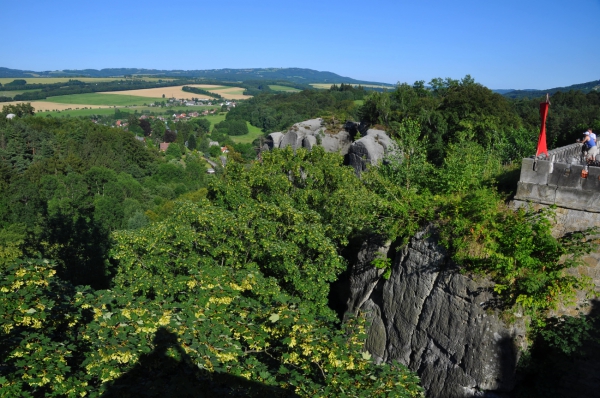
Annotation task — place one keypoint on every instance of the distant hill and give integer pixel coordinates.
(294, 75)
(583, 87)
(503, 90)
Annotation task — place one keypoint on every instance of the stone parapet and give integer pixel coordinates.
(560, 183)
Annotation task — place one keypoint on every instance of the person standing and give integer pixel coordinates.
(589, 141)
(592, 135)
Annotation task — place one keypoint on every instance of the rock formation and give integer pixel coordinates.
(369, 149)
(440, 323)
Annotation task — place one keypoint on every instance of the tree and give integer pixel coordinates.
(19, 110)
(214, 151)
(173, 151)
(146, 127)
(170, 136)
(192, 142)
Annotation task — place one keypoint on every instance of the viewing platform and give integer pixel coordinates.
(558, 180)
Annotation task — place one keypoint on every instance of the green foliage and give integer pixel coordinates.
(19, 110)
(191, 142)
(567, 333)
(517, 249)
(276, 112)
(385, 264)
(233, 127)
(214, 151)
(197, 90)
(62, 341)
(173, 151)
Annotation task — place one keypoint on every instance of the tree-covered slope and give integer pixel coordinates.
(294, 75)
(583, 87)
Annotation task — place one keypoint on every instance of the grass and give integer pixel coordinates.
(254, 133)
(359, 102)
(12, 93)
(216, 118)
(102, 99)
(78, 112)
(276, 87)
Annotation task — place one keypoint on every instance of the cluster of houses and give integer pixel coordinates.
(175, 116)
(184, 116)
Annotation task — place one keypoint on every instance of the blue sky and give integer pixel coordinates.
(502, 44)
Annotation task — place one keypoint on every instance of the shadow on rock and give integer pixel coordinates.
(564, 360)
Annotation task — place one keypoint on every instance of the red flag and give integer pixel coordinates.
(541, 146)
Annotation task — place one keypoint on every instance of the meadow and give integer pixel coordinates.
(103, 99)
(253, 133)
(276, 87)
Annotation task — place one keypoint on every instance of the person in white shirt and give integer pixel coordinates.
(592, 134)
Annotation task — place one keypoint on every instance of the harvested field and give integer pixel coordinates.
(50, 106)
(177, 92)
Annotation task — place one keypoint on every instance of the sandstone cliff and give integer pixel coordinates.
(440, 323)
(369, 149)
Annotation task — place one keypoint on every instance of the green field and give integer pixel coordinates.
(210, 87)
(50, 80)
(228, 90)
(12, 93)
(276, 87)
(254, 133)
(102, 99)
(216, 118)
(359, 102)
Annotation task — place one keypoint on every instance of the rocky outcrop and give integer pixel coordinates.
(370, 149)
(313, 132)
(440, 323)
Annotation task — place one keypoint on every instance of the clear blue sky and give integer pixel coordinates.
(502, 44)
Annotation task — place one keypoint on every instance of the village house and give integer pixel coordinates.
(164, 146)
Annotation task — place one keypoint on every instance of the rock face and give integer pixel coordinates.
(369, 149)
(438, 322)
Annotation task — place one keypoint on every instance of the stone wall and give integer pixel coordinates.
(560, 184)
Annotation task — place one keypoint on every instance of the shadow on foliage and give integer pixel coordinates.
(508, 179)
(81, 247)
(564, 359)
(169, 372)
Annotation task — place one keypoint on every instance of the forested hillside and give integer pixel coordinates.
(583, 87)
(124, 269)
(293, 75)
